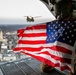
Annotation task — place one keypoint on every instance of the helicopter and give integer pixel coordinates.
(30, 18)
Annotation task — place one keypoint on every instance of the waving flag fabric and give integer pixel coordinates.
(51, 43)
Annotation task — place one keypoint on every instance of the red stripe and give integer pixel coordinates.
(65, 67)
(52, 56)
(28, 49)
(61, 49)
(32, 34)
(20, 32)
(41, 59)
(32, 42)
(61, 59)
(42, 26)
(49, 62)
(38, 49)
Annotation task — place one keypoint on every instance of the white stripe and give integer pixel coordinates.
(64, 45)
(66, 72)
(34, 46)
(53, 52)
(48, 57)
(33, 38)
(35, 31)
(47, 45)
(51, 59)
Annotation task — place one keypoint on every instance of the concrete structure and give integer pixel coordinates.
(25, 67)
(1, 37)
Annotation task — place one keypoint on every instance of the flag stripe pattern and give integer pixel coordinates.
(51, 43)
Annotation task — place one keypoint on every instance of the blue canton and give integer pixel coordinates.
(62, 31)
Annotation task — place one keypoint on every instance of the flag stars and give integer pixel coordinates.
(49, 25)
(61, 34)
(74, 29)
(68, 21)
(62, 21)
(54, 30)
(50, 39)
(61, 27)
(56, 27)
(67, 36)
(65, 24)
(59, 24)
(63, 38)
(70, 41)
(72, 25)
(56, 22)
(72, 35)
(53, 24)
(74, 21)
(56, 35)
(51, 28)
(51, 32)
(59, 30)
(54, 38)
(70, 31)
(65, 32)
(68, 27)
(47, 39)
(48, 35)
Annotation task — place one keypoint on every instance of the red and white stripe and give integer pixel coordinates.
(32, 41)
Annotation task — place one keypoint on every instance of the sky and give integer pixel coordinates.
(13, 11)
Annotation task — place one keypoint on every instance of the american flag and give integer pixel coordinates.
(51, 43)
